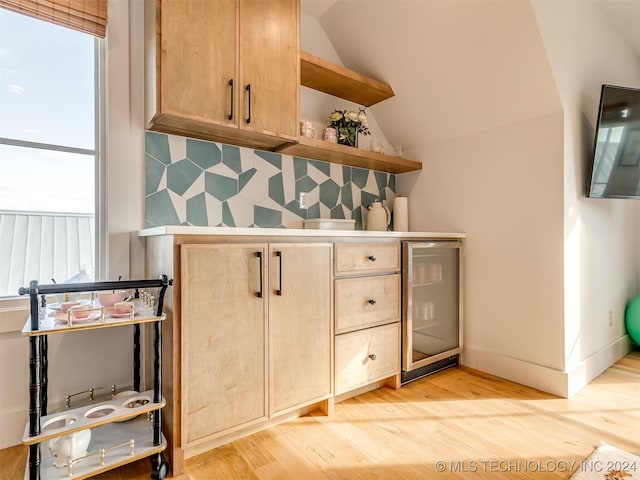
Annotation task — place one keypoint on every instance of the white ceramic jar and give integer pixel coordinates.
(378, 217)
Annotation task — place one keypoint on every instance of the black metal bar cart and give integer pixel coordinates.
(123, 428)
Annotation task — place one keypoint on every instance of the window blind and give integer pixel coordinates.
(89, 16)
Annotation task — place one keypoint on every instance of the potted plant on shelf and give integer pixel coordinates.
(348, 124)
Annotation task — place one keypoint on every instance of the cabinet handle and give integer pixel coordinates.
(279, 290)
(230, 117)
(259, 255)
(373, 301)
(249, 103)
(372, 258)
(372, 356)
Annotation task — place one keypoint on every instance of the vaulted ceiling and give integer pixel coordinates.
(458, 68)
(624, 15)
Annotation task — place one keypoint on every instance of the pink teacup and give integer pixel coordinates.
(64, 306)
(122, 308)
(80, 311)
(108, 298)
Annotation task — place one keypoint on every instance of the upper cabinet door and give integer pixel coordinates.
(270, 65)
(223, 70)
(198, 56)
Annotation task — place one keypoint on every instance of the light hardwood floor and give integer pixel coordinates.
(458, 423)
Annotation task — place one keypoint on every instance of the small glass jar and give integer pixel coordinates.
(329, 135)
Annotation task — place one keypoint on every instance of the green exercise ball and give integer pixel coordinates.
(632, 319)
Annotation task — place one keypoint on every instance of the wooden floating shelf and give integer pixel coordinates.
(324, 76)
(342, 154)
(327, 77)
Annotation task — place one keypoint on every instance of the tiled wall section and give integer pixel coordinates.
(194, 182)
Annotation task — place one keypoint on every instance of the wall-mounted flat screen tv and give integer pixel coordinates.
(615, 169)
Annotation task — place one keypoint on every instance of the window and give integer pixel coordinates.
(49, 138)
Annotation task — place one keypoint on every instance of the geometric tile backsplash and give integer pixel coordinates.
(196, 182)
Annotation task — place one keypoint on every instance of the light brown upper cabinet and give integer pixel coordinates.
(224, 70)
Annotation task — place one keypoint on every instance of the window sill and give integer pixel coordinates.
(13, 314)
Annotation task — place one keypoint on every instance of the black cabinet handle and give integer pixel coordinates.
(372, 356)
(230, 117)
(259, 255)
(249, 103)
(373, 301)
(279, 290)
(372, 258)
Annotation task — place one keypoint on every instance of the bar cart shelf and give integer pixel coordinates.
(123, 428)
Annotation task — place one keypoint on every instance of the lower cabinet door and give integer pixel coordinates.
(367, 356)
(300, 330)
(223, 322)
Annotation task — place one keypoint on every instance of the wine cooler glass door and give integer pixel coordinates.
(431, 306)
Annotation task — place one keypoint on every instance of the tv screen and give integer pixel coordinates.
(615, 169)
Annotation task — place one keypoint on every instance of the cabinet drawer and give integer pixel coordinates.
(367, 356)
(367, 257)
(366, 301)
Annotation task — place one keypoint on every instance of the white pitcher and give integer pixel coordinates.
(378, 217)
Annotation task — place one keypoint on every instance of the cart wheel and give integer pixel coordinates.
(160, 472)
(159, 468)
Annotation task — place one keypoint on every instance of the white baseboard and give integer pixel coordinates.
(516, 370)
(561, 383)
(596, 363)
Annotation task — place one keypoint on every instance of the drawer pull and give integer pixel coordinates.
(373, 301)
(259, 255)
(372, 356)
(279, 290)
(372, 258)
(248, 88)
(230, 117)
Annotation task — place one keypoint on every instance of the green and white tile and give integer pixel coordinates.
(194, 182)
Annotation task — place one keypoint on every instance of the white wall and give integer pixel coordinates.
(499, 178)
(503, 187)
(600, 236)
(103, 357)
(545, 265)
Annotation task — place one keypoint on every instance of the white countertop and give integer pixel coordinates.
(292, 232)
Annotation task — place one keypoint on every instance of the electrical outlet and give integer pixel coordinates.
(303, 200)
(610, 317)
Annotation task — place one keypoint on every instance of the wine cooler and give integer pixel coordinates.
(432, 307)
